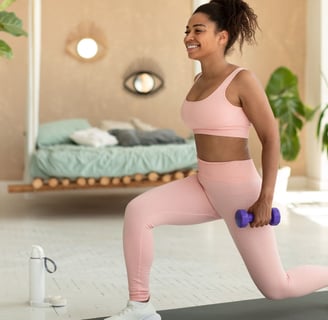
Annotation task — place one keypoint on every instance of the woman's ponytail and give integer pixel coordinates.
(234, 16)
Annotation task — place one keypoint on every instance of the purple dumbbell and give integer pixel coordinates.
(243, 218)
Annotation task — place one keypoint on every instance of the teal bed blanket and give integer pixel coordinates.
(74, 161)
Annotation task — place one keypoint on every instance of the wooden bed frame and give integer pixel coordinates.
(138, 180)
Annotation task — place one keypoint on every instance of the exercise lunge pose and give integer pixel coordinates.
(223, 103)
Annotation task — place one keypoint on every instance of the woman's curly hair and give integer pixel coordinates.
(234, 16)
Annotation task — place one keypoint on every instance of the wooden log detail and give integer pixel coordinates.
(153, 176)
(104, 181)
(137, 180)
(178, 175)
(191, 172)
(116, 181)
(166, 177)
(37, 183)
(126, 180)
(53, 182)
(65, 182)
(91, 181)
(81, 182)
(138, 177)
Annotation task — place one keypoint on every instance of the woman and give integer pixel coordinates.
(221, 105)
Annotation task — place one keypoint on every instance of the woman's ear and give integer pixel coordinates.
(223, 37)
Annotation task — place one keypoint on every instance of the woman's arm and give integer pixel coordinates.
(257, 108)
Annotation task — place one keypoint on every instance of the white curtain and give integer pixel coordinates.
(34, 59)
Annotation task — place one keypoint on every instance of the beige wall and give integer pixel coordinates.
(139, 34)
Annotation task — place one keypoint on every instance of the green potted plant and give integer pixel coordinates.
(288, 108)
(11, 24)
(292, 114)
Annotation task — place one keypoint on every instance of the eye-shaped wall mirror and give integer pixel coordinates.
(143, 82)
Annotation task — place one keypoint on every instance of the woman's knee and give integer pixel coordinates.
(137, 212)
(274, 291)
(138, 204)
(272, 295)
(132, 206)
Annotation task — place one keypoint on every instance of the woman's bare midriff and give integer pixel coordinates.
(221, 149)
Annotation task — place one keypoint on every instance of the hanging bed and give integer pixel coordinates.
(71, 154)
(58, 156)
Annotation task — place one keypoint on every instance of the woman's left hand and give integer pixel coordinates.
(262, 211)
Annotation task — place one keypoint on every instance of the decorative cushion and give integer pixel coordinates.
(93, 137)
(126, 137)
(146, 138)
(159, 136)
(58, 132)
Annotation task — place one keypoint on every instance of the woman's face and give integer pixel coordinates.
(202, 37)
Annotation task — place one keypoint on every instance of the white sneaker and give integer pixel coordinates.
(137, 311)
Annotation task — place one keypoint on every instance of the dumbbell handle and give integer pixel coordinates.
(243, 218)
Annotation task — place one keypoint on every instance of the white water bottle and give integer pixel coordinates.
(37, 276)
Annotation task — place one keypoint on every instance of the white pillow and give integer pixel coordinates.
(93, 137)
(112, 124)
(140, 125)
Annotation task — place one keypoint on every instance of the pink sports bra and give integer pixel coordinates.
(215, 115)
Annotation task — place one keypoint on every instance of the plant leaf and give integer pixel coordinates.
(5, 4)
(300, 108)
(5, 50)
(282, 79)
(11, 24)
(322, 113)
(324, 139)
(309, 112)
(296, 122)
(290, 147)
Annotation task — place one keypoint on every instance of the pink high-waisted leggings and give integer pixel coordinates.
(216, 192)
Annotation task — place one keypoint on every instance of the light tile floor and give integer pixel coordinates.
(81, 231)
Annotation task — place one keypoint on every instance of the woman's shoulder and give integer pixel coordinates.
(247, 83)
(243, 72)
(245, 76)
